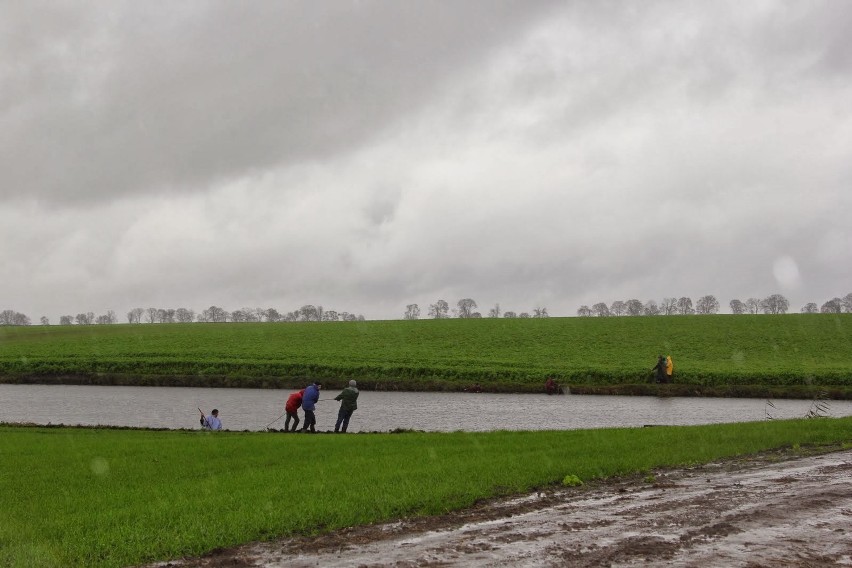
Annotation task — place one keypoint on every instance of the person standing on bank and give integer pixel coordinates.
(669, 368)
(294, 403)
(660, 370)
(309, 404)
(348, 405)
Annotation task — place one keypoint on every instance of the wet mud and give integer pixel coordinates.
(774, 509)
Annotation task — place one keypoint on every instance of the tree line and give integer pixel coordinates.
(773, 304)
(466, 308)
(213, 314)
(832, 306)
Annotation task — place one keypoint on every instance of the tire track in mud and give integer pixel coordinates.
(768, 510)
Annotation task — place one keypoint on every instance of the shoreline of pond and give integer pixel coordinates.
(675, 389)
(383, 411)
(61, 426)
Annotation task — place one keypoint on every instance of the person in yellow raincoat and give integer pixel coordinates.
(669, 368)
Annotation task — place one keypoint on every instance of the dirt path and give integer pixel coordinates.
(771, 510)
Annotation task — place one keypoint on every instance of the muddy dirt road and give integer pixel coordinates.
(770, 510)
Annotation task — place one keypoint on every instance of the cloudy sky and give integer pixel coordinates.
(365, 155)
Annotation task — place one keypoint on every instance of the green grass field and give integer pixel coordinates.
(500, 354)
(96, 497)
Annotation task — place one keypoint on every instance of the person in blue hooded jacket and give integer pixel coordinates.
(309, 404)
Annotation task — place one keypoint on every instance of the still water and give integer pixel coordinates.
(254, 409)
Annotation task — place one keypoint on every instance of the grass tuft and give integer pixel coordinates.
(571, 481)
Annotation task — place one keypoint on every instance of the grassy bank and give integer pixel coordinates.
(514, 355)
(92, 497)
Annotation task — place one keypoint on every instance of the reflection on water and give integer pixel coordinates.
(253, 409)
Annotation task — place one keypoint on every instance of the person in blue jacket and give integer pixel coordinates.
(309, 404)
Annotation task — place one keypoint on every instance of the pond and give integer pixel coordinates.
(255, 409)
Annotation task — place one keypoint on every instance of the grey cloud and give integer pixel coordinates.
(164, 96)
(369, 156)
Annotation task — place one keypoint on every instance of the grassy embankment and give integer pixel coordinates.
(789, 355)
(94, 497)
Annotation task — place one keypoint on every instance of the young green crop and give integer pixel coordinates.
(501, 354)
(93, 497)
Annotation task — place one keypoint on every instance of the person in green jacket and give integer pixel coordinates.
(348, 404)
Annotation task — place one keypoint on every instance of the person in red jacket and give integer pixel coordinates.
(294, 402)
(551, 387)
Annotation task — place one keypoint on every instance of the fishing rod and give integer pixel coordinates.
(276, 420)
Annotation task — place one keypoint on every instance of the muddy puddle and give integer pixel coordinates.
(775, 509)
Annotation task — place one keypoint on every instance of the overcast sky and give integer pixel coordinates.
(365, 155)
